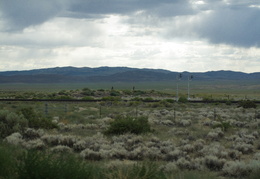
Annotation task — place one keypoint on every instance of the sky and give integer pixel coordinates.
(176, 35)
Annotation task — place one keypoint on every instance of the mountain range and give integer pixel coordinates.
(115, 74)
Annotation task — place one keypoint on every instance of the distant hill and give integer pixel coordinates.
(113, 74)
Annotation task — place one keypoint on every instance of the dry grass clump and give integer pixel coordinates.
(199, 144)
(115, 164)
(234, 154)
(215, 149)
(31, 133)
(169, 167)
(15, 139)
(179, 132)
(215, 134)
(54, 140)
(214, 163)
(174, 155)
(90, 154)
(34, 144)
(61, 149)
(244, 147)
(183, 163)
(235, 169)
(184, 123)
(93, 143)
(188, 148)
(257, 156)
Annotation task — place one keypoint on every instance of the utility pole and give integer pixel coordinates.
(179, 76)
(190, 77)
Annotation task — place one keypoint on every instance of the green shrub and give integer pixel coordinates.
(36, 120)
(42, 165)
(223, 125)
(183, 99)
(90, 98)
(111, 98)
(7, 165)
(247, 104)
(87, 92)
(145, 170)
(139, 92)
(207, 99)
(128, 125)
(64, 97)
(228, 102)
(149, 99)
(165, 103)
(115, 93)
(137, 99)
(192, 175)
(63, 92)
(170, 100)
(11, 122)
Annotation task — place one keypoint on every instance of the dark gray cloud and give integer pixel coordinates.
(118, 6)
(237, 25)
(21, 14)
(233, 22)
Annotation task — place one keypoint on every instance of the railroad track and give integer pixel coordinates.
(101, 100)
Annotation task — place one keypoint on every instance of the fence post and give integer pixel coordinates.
(65, 108)
(256, 113)
(46, 109)
(215, 114)
(100, 111)
(136, 112)
(174, 114)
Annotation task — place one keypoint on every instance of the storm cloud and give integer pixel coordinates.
(140, 33)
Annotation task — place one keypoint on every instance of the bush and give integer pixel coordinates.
(35, 120)
(88, 98)
(247, 104)
(165, 103)
(64, 97)
(223, 125)
(11, 122)
(111, 98)
(148, 99)
(214, 163)
(143, 171)
(43, 165)
(183, 99)
(207, 99)
(7, 164)
(236, 169)
(87, 92)
(115, 93)
(129, 125)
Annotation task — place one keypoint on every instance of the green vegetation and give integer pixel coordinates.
(247, 104)
(147, 135)
(128, 125)
(214, 89)
(145, 170)
(223, 125)
(36, 120)
(183, 99)
(43, 165)
(11, 122)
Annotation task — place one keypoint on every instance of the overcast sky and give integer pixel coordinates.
(177, 35)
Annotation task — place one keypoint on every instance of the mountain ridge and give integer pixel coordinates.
(114, 74)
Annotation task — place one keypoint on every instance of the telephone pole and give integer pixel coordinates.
(179, 76)
(190, 77)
